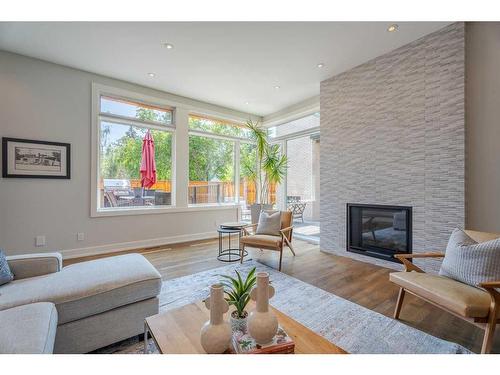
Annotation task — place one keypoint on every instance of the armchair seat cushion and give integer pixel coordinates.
(460, 298)
(88, 288)
(264, 240)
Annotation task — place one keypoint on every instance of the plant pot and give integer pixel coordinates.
(255, 210)
(237, 323)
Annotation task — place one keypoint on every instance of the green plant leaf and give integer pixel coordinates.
(240, 283)
(233, 281)
(250, 278)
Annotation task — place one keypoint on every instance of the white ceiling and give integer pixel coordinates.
(227, 64)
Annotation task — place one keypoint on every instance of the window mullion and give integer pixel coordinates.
(237, 149)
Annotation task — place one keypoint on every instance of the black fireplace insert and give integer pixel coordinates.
(379, 231)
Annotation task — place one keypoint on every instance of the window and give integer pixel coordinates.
(123, 125)
(213, 151)
(304, 124)
(137, 111)
(248, 174)
(219, 127)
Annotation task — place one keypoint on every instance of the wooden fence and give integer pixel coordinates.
(211, 192)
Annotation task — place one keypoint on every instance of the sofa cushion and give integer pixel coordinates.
(88, 288)
(257, 240)
(5, 275)
(28, 329)
(471, 262)
(455, 296)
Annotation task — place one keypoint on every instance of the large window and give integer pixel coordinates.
(123, 127)
(213, 151)
(301, 142)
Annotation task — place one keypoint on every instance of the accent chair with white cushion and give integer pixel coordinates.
(269, 236)
(98, 302)
(478, 304)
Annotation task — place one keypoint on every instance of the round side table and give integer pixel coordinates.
(231, 254)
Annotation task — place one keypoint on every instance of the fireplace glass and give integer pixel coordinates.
(379, 231)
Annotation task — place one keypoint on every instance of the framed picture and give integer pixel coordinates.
(24, 158)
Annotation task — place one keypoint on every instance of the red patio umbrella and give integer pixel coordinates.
(148, 164)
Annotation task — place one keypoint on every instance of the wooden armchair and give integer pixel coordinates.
(477, 306)
(264, 241)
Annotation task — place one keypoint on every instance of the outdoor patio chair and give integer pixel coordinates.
(297, 209)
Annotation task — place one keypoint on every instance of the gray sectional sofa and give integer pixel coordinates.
(78, 308)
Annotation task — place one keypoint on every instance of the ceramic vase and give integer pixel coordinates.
(216, 333)
(262, 323)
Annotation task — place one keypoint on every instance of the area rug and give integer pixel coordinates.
(354, 328)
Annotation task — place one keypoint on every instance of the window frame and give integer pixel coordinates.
(98, 117)
(237, 141)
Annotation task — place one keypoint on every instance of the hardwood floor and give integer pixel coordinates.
(362, 283)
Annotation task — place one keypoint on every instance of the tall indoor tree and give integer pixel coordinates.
(271, 164)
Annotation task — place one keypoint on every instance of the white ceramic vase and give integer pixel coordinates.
(216, 333)
(262, 323)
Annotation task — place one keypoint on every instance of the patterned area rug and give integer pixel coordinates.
(348, 325)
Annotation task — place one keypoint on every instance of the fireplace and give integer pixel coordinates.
(379, 231)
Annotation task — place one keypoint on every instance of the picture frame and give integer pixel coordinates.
(27, 158)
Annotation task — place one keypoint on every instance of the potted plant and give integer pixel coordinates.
(269, 168)
(237, 293)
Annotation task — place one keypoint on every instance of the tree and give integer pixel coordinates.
(210, 159)
(271, 164)
(122, 158)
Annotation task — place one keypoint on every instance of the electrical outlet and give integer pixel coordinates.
(39, 241)
(80, 236)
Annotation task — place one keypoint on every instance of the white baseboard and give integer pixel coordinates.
(123, 246)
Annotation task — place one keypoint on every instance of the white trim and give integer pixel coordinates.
(294, 112)
(132, 245)
(127, 211)
(94, 148)
(282, 188)
(236, 152)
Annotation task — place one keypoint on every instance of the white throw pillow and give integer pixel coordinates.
(469, 261)
(269, 223)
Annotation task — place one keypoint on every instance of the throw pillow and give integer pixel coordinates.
(269, 223)
(471, 262)
(5, 275)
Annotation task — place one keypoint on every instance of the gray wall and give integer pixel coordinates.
(44, 101)
(483, 126)
(392, 132)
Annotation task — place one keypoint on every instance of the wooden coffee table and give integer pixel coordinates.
(178, 332)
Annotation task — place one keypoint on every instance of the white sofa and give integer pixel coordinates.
(98, 302)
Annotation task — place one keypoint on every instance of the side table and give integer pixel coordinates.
(231, 254)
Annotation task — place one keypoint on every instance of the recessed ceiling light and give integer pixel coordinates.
(320, 65)
(277, 87)
(168, 45)
(392, 28)
(151, 75)
(247, 102)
